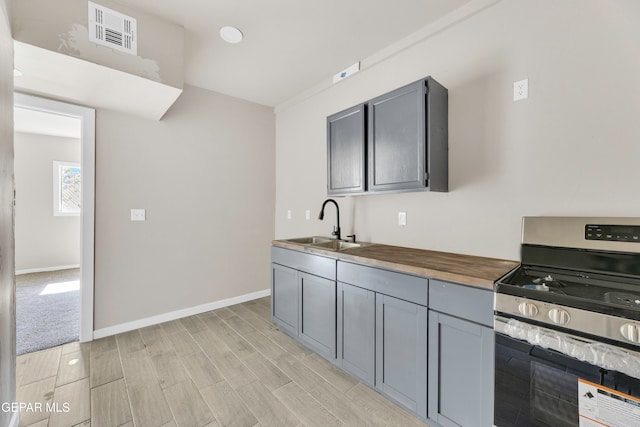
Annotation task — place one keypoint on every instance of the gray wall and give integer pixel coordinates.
(205, 175)
(42, 239)
(7, 279)
(570, 149)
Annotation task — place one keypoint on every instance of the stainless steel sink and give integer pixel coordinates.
(336, 245)
(309, 240)
(326, 243)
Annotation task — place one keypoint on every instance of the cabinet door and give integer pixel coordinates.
(356, 331)
(284, 298)
(396, 139)
(460, 372)
(318, 314)
(346, 151)
(401, 352)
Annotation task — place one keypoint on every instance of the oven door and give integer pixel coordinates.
(538, 386)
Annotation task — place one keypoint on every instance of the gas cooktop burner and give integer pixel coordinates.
(622, 298)
(546, 284)
(549, 281)
(573, 288)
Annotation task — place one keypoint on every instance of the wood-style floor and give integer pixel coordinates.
(228, 367)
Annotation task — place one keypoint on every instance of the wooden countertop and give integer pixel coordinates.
(470, 270)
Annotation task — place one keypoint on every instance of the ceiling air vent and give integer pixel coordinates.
(113, 29)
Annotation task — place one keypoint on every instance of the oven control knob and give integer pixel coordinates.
(559, 316)
(631, 332)
(528, 309)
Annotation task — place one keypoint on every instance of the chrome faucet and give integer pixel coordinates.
(336, 229)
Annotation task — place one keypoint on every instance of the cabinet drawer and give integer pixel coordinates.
(312, 264)
(403, 286)
(461, 301)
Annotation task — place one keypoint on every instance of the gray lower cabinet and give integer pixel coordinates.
(461, 355)
(384, 313)
(303, 298)
(460, 372)
(401, 352)
(284, 297)
(424, 343)
(317, 314)
(356, 331)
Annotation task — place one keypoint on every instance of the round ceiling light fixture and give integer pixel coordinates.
(231, 34)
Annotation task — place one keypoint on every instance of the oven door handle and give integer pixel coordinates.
(593, 352)
(519, 332)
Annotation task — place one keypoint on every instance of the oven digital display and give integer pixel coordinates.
(612, 233)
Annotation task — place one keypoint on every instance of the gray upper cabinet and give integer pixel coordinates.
(395, 142)
(408, 138)
(346, 151)
(397, 155)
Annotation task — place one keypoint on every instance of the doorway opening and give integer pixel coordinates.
(55, 174)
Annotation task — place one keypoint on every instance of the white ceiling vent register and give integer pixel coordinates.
(112, 29)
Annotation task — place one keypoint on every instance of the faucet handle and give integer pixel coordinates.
(336, 232)
(353, 237)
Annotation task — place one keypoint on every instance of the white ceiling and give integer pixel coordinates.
(289, 45)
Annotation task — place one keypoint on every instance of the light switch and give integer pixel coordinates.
(138, 215)
(402, 218)
(307, 214)
(289, 214)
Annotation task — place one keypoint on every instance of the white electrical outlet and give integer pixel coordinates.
(138, 215)
(521, 90)
(307, 214)
(289, 214)
(402, 218)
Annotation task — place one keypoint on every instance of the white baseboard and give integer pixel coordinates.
(178, 314)
(45, 269)
(15, 419)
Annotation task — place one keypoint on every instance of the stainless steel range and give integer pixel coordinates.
(567, 325)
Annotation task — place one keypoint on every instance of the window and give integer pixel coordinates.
(66, 189)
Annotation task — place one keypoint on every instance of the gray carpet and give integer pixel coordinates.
(47, 309)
